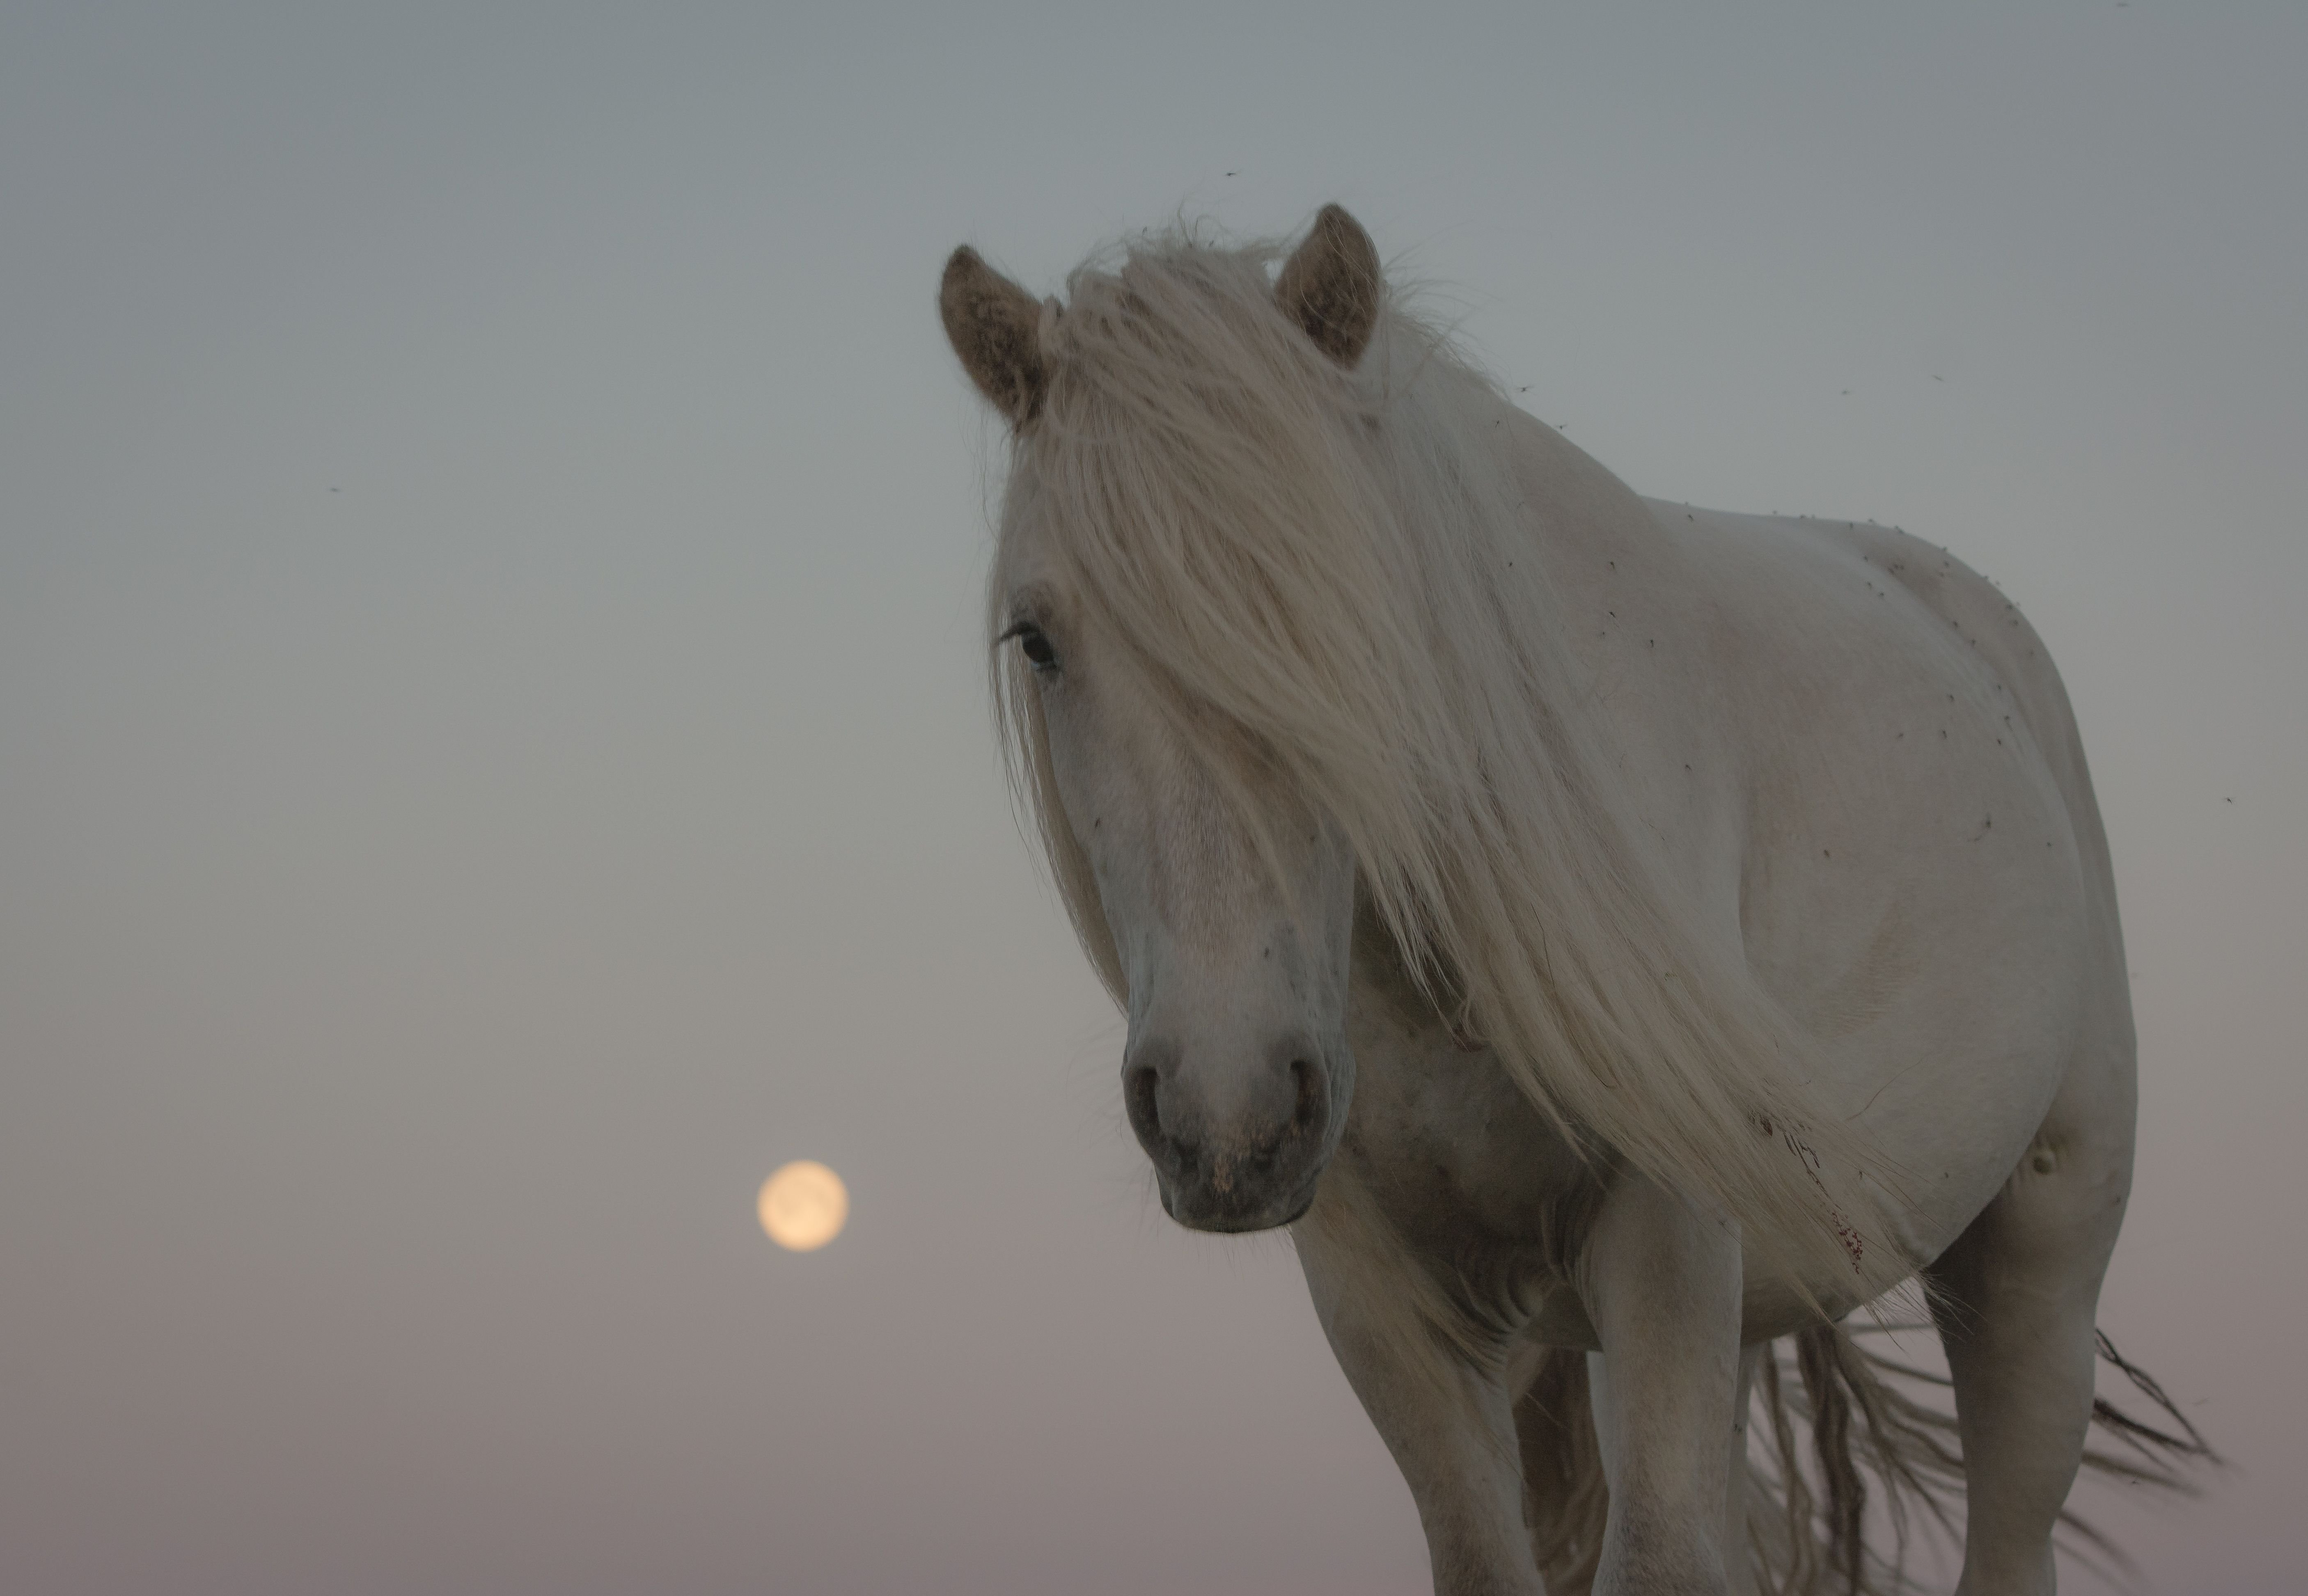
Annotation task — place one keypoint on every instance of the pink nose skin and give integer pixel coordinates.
(1241, 1154)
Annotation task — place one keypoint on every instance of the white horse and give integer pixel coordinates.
(1612, 935)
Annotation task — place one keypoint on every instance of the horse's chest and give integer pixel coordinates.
(1468, 1172)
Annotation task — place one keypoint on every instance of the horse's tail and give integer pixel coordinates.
(1809, 1509)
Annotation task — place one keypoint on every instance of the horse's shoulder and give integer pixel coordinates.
(1795, 558)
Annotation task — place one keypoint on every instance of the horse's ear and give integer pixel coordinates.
(1330, 285)
(993, 325)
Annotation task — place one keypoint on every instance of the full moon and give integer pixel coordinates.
(804, 1205)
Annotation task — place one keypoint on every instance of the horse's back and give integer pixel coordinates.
(1993, 626)
(1980, 647)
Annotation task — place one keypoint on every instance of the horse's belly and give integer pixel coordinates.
(1947, 981)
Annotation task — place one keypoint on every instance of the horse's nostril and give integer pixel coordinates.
(1139, 1085)
(1313, 1097)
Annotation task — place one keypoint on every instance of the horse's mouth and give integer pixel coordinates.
(1221, 1216)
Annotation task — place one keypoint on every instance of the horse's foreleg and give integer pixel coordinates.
(1662, 1286)
(2015, 1300)
(1448, 1422)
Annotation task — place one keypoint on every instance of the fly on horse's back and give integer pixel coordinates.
(1619, 940)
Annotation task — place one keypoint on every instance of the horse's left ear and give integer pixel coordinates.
(1330, 285)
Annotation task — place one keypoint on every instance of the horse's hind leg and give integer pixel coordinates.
(2015, 1298)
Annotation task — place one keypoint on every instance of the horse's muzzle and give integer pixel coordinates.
(1237, 1151)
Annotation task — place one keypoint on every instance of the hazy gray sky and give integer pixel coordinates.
(493, 756)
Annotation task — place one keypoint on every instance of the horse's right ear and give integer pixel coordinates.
(993, 325)
(1330, 285)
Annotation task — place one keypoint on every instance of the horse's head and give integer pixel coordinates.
(1217, 898)
(1231, 936)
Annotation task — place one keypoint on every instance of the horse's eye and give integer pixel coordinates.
(1035, 645)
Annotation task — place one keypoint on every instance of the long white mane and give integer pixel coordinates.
(1336, 584)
